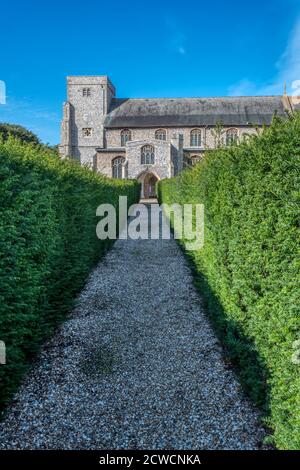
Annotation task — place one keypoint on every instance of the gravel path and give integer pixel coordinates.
(136, 365)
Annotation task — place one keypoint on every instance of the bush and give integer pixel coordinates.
(249, 269)
(48, 245)
(19, 132)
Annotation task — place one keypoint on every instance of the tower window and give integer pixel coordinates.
(87, 132)
(86, 92)
(117, 167)
(160, 134)
(196, 138)
(147, 155)
(125, 137)
(231, 136)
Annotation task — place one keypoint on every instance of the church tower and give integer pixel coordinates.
(88, 102)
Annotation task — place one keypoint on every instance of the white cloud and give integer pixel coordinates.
(176, 38)
(39, 120)
(2, 92)
(241, 88)
(28, 109)
(287, 69)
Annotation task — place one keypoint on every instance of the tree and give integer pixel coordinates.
(18, 132)
(218, 132)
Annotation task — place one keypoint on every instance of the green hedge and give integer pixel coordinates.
(249, 269)
(48, 245)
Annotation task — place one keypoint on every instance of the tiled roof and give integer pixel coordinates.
(157, 112)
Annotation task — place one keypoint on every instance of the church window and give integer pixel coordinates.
(125, 137)
(196, 138)
(117, 167)
(86, 92)
(231, 136)
(147, 155)
(87, 132)
(160, 134)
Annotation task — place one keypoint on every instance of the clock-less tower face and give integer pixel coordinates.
(87, 118)
(89, 98)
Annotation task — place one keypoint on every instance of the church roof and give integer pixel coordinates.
(159, 112)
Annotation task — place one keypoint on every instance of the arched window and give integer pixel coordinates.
(117, 167)
(125, 137)
(147, 155)
(86, 92)
(231, 136)
(160, 134)
(196, 138)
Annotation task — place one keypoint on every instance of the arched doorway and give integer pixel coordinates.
(148, 181)
(150, 185)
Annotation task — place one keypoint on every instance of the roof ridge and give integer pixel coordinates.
(197, 97)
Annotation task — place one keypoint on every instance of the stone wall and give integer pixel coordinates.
(167, 152)
(113, 136)
(104, 161)
(162, 167)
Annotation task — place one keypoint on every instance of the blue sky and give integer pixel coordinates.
(148, 48)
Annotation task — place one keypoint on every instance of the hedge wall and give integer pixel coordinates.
(249, 269)
(48, 245)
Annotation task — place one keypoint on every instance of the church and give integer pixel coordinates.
(154, 138)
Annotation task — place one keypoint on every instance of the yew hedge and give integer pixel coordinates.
(48, 245)
(249, 269)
